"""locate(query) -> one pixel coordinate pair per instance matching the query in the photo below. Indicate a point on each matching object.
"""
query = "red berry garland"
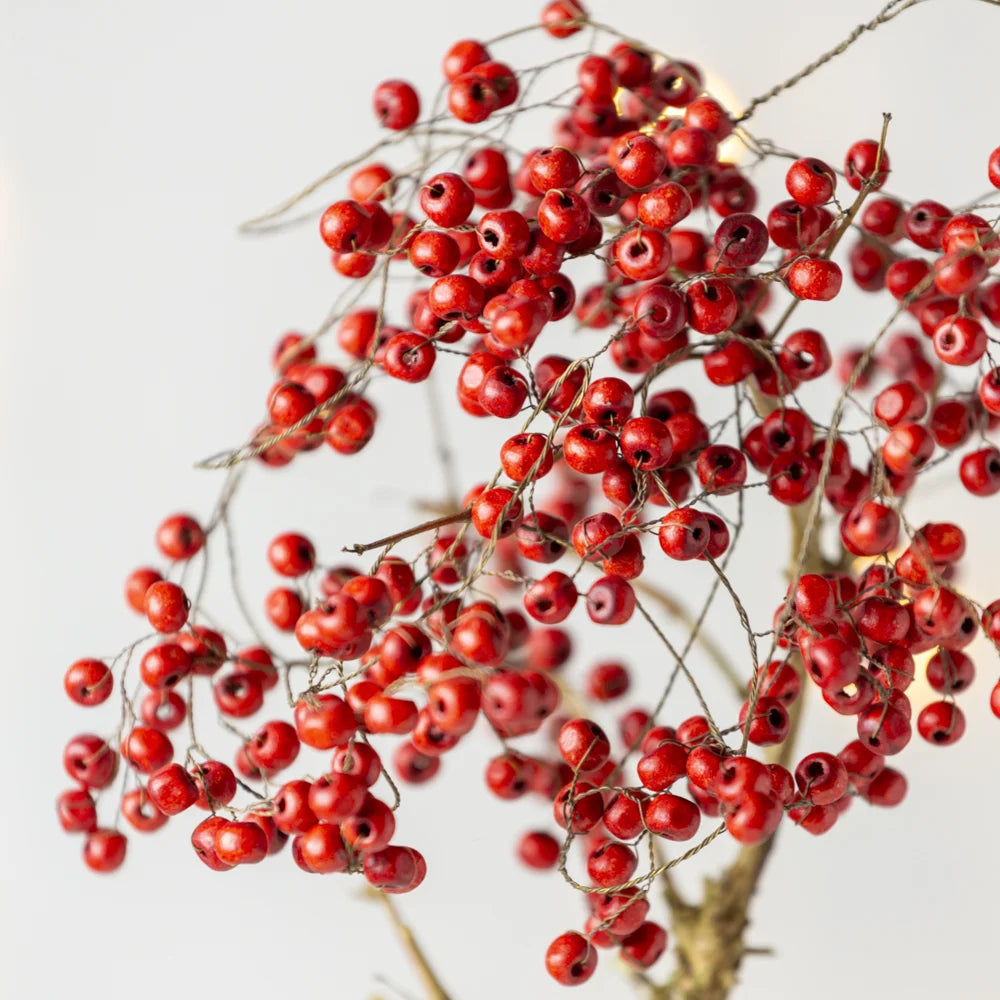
(585, 230)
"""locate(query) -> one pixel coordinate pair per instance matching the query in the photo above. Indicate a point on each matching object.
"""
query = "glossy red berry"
(180, 537)
(274, 746)
(335, 797)
(203, 842)
(136, 585)
(607, 681)
(583, 744)
(216, 784)
(396, 104)
(104, 850)
(941, 722)
(712, 306)
(960, 341)
(141, 812)
(589, 448)
(637, 159)
(793, 226)
(662, 766)
(570, 959)
(821, 778)
(611, 864)
(871, 528)
(371, 828)
(147, 749)
(240, 843)
(538, 850)
(76, 811)
(610, 601)
(447, 200)
(980, 472)
(172, 790)
(88, 682)
(865, 163)
(672, 817)
(810, 182)
(239, 695)
(166, 606)
(291, 555)
(89, 760)
(883, 729)
(642, 254)
(496, 512)
(394, 869)
(345, 227)
(741, 240)
(814, 278)
(463, 56)
(684, 533)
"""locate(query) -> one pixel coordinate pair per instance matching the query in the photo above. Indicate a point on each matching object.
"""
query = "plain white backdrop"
(136, 329)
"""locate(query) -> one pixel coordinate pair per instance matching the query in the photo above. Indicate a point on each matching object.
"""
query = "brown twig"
(715, 653)
(891, 10)
(708, 936)
(435, 991)
(418, 529)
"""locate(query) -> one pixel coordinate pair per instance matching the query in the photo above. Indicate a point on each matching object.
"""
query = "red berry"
(172, 789)
(291, 555)
(371, 828)
(136, 585)
(583, 745)
(104, 850)
(76, 811)
(345, 227)
(88, 682)
(980, 472)
(216, 784)
(166, 606)
(861, 163)
(611, 864)
(538, 850)
(814, 278)
(712, 306)
(607, 681)
(888, 788)
(147, 749)
(810, 182)
(203, 842)
(570, 958)
(89, 760)
(180, 537)
(672, 817)
(141, 812)
(240, 843)
(396, 104)
(941, 722)
(821, 778)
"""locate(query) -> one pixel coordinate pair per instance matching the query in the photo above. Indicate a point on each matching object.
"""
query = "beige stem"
(435, 991)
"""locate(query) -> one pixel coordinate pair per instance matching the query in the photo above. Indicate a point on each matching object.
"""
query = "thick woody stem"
(708, 936)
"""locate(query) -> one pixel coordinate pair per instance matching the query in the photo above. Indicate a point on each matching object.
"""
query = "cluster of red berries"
(405, 651)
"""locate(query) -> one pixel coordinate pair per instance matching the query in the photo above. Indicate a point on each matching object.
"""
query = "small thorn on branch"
(419, 529)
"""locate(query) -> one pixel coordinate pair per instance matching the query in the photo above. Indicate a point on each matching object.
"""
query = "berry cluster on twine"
(420, 647)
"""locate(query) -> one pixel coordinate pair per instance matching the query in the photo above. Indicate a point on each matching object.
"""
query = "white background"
(136, 328)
